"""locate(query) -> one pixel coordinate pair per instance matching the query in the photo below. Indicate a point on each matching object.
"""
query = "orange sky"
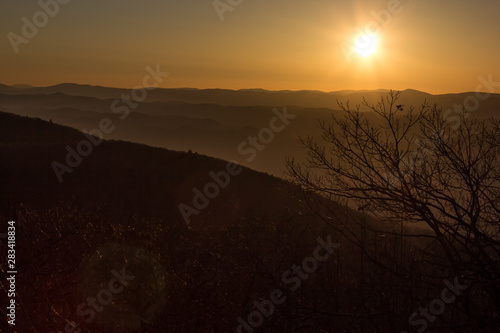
(437, 47)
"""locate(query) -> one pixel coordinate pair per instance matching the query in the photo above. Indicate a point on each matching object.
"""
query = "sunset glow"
(274, 45)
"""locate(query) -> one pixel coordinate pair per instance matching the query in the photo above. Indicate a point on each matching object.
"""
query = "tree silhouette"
(412, 167)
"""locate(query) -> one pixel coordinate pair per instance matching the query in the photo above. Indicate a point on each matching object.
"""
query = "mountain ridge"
(225, 97)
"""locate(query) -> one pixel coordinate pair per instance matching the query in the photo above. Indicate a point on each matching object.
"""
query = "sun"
(366, 45)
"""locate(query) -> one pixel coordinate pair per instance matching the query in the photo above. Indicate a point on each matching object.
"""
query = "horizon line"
(29, 86)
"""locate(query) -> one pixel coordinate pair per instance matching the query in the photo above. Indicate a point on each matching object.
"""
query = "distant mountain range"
(243, 97)
(211, 121)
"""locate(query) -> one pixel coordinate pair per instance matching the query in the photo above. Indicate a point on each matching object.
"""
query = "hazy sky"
(436, 46)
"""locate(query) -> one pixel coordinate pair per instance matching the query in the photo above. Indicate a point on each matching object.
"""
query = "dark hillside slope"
(117, 213)
(121, 178)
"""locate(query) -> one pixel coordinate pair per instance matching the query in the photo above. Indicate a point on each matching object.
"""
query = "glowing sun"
(366, 45)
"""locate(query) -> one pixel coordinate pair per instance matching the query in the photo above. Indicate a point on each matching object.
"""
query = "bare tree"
(415, 167)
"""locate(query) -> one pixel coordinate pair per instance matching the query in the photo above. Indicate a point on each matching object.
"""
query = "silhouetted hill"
(158, 178)
(118, 211)
(6, 88)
